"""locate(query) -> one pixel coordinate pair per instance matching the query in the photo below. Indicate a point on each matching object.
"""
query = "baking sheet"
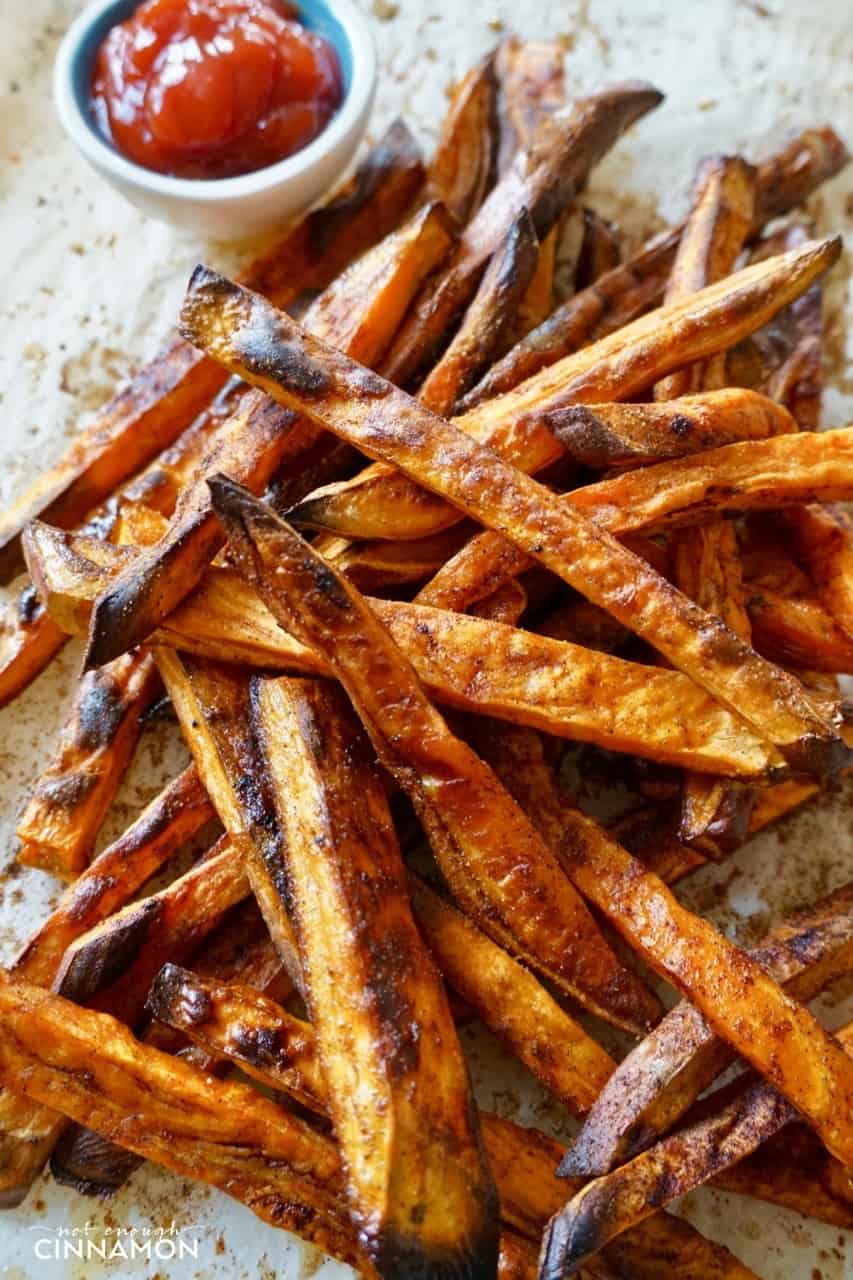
(87, 287)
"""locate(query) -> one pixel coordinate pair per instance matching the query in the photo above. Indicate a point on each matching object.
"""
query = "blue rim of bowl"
(337, 20)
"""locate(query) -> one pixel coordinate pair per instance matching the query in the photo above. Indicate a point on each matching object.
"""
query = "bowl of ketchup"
(226, 117)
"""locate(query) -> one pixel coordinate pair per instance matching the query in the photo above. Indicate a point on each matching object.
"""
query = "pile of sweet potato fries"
(445, 483)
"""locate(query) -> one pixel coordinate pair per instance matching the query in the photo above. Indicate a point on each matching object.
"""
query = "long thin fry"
(466, 662)
(739, 1000)
(359, 312)
(397, 1084)
(784, 180)
(681, 1057)
(612, 1204)
(57, 830)
(607, 435)
(495, 863)
(462, 169)
(542, 180)
(751, 475)
(796, 1171)
(163, 398)
(300, 372)
(381, 503)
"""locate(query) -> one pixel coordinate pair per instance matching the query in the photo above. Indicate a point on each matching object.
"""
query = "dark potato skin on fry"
(273, 352)
(496, 864)
(398, 1086)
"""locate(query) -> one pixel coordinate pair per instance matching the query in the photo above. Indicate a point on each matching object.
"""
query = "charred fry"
(681, 1057)
(57, 830)
(466, 662)
(397, 1085)
(457, 797)
(543, 182)
(612, 435)
(384, 422)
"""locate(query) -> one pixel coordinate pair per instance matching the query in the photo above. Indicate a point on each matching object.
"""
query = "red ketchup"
(213, 88)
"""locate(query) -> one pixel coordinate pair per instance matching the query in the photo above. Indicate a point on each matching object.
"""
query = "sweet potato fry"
(794, 1170)
(212, 703)
(531, 88)
(463, 167)
(302, 373)
(145, 416)
(362, 308)
(523, 1160)
(318, 248)
(105, 886)
(359, 312)
(29, 638)
(63, 816)
(377, 503)
(740, 1001)
(615, 435)
(721, 215)
(609, 1205)
(600, 251)
(157, 1105)
(240, 949)
(485, 325)
(233, 1020)
(112, 966)
(511, 1002)
(543, 181)
(495, 863)
(823, 543)
(379, 565)
(797, 630)
(567, 690)
(654, 1086)
(783, 181)
(397, 1085)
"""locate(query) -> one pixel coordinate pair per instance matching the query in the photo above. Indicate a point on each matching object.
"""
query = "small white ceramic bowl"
(226, 208)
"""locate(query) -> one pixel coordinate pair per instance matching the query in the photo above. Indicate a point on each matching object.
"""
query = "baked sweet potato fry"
(64, 814)
(542, 180)
(378, 503)
(609, 1205)
(212, 704)
(29, 640)
(783, 181)
(495, 863)
(487, 321)
(739, 1000)
(239, 950)
(665, 1074)
(600, 251)
(396, 1082)
(511, 1002)
(162, 399)
(720, 218)
(796, 629)
(158, 1106)
(794, 1170)
(105, 886)
(567, 690)
(302, 373)
(523, 1160)
(379, 565)
(462, 170)
(359, 312)
(618, 435)
(823, 542)
(112, 966)
(506, 605)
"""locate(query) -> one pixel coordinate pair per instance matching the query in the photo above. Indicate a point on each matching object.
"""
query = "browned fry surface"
(462, 170)
(396, 1080)
(243, 330)
(466, 662)
(493, 859)
(57, 830)
(681, 1057)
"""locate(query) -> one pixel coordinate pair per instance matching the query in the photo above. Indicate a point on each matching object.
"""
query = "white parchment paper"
(87, 288)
